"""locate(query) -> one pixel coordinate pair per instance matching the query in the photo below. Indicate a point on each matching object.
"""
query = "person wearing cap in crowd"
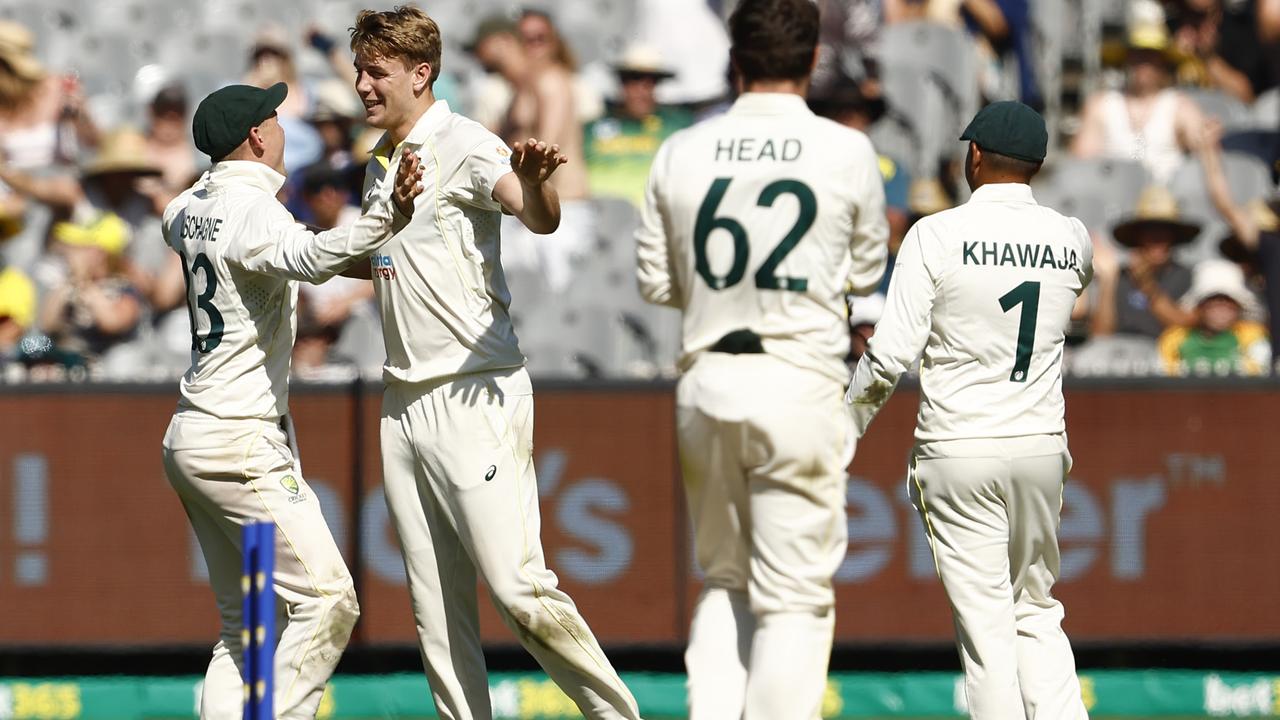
(1222, 340)
(1140, 298)
(986, 290)
(1255, 229)
(229, 452)
(620, 146)
(1148, 120)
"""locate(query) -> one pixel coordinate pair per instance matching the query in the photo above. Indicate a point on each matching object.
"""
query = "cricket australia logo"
(290, 483)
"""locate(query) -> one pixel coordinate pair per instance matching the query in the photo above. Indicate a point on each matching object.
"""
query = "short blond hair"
(405, 33)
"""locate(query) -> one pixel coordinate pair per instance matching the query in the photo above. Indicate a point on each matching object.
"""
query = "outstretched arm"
(525, 192)
(290, 249)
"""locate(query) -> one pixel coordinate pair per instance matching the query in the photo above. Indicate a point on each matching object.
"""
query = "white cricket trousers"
(457, 462)
(764, 448)
(991, 508)
(232, 472)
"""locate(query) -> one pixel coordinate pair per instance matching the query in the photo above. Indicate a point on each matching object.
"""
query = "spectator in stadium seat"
(1139, 299)
(1148, 121)
(118, 182)
(168, 139)
(42, 117)
(539, 66)
(620, 146)
(1222, 46)
(1220, 340)
(17, 310)
(43, 126)
(97, 308)
(1255, 229)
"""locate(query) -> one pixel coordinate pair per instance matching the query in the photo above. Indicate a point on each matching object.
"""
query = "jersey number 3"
(766, 276)
(1028, 296)
(203, 301)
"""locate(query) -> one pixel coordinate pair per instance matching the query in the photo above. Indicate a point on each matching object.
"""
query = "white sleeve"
(1086, 253)
(900, 335)
(282, 246)
(869, 245)
(483, 166)
(653, 255)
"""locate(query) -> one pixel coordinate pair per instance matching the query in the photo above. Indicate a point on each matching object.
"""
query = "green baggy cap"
(1009, 128)
(224, 118)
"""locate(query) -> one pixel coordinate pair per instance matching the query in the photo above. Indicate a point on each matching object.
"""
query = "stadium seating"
(1248, 178)
(1098, 191)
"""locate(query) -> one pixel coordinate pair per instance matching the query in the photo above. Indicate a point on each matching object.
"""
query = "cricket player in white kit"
(986, 291)
(226, 451)
(457, 416)
(756, 225)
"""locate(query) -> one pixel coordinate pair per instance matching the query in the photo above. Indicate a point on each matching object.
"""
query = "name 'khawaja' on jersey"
(986, 290)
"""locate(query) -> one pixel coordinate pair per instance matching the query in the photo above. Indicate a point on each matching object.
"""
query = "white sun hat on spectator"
(642, 60)
(1212, 278)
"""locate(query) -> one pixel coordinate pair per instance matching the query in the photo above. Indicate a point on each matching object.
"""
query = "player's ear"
(256, 143)
(421, 77)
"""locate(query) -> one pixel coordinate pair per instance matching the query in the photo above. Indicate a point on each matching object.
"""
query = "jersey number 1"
(1028, 296)
(766, 276)
(204, 301)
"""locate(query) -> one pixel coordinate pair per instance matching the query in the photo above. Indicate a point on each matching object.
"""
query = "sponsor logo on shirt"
(383, 267)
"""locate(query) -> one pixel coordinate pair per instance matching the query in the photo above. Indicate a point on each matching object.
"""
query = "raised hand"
(534, 161)
(408, 182)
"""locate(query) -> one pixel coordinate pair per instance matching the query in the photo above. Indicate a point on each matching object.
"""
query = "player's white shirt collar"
(769, 104)
(422, 129)
(246, 172)
(1003, 192)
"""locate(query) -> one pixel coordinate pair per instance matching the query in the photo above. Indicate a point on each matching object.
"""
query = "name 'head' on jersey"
(762, 218)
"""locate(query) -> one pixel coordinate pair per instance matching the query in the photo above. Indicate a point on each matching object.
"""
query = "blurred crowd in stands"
(1165, 122)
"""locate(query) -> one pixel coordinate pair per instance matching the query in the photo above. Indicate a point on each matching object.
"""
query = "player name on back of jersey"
(758, 150)
(1031, 255)
(196, 227)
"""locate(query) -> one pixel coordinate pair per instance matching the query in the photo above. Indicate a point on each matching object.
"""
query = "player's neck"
(792, 87)
(402, 130)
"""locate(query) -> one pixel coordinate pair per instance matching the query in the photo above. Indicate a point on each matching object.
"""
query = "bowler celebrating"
(986, 290)
(227, 451)
(755, 225)
(457, 416)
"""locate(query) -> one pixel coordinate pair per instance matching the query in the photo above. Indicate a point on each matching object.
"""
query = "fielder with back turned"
(755, 225)
(986, 291)
(227, 451)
